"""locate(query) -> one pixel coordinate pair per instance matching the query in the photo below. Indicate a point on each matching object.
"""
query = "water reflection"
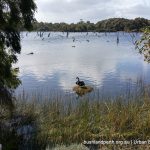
(55, 63)
(19, 128)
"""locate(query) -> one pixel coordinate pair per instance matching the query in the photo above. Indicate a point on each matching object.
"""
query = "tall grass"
(55, 122)
(105, 119)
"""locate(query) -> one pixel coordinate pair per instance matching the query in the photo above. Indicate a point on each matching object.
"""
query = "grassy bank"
(53, 123)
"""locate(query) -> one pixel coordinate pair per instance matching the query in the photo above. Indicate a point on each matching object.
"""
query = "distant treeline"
(108, 25)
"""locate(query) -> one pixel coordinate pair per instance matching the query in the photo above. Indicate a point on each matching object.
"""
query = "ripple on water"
(101, 64)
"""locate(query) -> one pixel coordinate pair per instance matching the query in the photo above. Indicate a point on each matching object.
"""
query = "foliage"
(112, 24)
(13, 15)
(144, 44)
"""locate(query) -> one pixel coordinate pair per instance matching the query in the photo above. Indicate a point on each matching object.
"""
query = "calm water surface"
(96, 58)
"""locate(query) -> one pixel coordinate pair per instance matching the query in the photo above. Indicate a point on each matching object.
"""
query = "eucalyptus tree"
(143, 45)
(14, 15)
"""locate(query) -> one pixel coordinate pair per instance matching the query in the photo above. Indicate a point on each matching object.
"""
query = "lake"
(96, 58)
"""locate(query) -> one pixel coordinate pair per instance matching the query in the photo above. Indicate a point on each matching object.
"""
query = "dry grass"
(82, 90)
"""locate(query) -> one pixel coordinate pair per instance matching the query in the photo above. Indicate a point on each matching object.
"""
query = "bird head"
(77, 78)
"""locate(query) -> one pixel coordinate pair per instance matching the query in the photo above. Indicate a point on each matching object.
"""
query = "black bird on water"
(80, 83)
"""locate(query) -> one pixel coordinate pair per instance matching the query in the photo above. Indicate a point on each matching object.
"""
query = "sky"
(71, 11)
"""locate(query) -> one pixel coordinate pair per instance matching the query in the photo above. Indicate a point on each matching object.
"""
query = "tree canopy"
(107, 25)
(14, 14)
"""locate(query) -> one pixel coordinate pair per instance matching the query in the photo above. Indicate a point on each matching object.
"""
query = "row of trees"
(110, 25)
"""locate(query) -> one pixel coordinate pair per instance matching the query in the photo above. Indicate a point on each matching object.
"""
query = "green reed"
(59, 122)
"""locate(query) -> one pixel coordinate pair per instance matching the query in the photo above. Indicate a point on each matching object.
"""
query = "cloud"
(93, 10)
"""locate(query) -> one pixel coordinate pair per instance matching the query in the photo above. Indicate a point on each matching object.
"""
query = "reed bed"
(55, 122)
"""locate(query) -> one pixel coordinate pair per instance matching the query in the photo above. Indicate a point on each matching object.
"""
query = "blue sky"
(93, 10)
